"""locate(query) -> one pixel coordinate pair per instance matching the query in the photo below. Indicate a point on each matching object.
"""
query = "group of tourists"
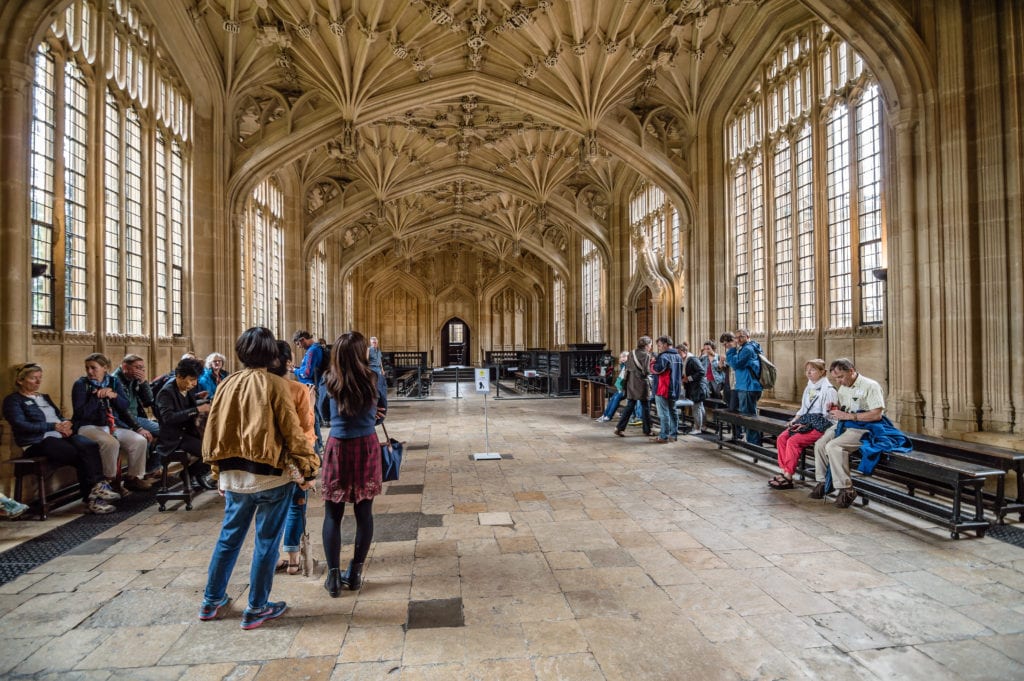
(834, 421)
(261, 439)
(253, 434)
(674, 377)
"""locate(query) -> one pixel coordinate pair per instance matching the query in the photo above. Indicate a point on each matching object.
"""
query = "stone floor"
(579, 555)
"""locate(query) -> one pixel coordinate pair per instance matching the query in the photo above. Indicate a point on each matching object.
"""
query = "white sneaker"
(103, 490)
(695, 432)
(9, 508)
(602, 419)
(100, 507)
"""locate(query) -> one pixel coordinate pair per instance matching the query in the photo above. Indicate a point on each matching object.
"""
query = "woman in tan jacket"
(252, 437)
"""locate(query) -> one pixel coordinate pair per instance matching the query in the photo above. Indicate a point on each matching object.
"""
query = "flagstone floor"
(579, 555)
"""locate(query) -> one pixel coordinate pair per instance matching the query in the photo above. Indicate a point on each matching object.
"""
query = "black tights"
(333, 513)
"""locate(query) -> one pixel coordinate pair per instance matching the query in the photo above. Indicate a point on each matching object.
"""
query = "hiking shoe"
(211, 611)
(103, 490)
(9, 508)
(271, 611)
(99, 507)
(818, 492)
(846, 497)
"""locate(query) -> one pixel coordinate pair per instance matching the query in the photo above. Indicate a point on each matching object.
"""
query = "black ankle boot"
(333, 583)
(353, 577)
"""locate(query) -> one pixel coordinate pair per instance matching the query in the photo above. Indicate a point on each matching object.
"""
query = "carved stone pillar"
(15, 278)
(906, 403)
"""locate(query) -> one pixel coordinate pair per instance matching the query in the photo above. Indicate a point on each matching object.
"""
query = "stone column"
(904, 361)
(15, 278)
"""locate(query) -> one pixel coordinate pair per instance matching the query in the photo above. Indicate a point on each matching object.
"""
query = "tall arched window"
(318, 292)
(814, 93)
(261, 253)
(654, 216)
(558, 311)
(142, 192)
(592, 289)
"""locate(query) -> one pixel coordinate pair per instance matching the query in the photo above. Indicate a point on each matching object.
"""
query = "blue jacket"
(346, 427)
(308, 371)
(207, 382)
(89, 410)
(882, 436)
(746, 366)
(28, 424)
(669, 367)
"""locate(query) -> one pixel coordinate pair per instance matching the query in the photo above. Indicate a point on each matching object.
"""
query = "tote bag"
(390, 456)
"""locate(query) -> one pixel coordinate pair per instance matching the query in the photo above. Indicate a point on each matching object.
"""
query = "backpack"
(768, 371)
(324, 366)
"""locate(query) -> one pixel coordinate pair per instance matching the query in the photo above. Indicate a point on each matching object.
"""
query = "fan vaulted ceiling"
(413, 124)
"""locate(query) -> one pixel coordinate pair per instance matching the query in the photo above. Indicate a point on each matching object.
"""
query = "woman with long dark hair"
(351, 466)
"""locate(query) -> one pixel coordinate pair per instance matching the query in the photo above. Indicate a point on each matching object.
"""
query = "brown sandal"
(293, 568)
(784, 484)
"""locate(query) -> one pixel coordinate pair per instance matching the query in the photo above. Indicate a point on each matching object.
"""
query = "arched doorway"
(644, 313)
(455, 342)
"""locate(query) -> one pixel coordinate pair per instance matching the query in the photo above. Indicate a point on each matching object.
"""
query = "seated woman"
(213, 374)
(98, 399)
(40, 430)
(807, 425)
(620, 390)
(177, 409)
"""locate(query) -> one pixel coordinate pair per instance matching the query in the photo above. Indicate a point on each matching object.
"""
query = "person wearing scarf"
(98, 401)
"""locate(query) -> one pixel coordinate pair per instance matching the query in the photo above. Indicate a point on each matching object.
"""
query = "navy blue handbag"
(390, 456)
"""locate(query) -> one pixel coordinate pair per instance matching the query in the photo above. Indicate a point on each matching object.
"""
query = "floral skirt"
(351, 470)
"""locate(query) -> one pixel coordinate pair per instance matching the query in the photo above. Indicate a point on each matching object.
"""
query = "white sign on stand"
(482, 382)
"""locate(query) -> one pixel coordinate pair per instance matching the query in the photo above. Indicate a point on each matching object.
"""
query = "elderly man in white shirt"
(860, 401)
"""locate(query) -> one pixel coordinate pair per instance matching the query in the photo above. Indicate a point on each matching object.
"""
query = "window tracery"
(770, 142)
(106, 59)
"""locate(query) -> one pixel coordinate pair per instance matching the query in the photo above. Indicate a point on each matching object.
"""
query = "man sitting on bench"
(860, 413)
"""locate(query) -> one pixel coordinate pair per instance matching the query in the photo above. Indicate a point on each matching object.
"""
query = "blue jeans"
(295, 523)
(747, 404)
(613, 404)
(269, 508)
(669, 418)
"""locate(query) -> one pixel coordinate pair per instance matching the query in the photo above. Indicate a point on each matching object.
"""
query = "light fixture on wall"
(880, 273)
(39, 269)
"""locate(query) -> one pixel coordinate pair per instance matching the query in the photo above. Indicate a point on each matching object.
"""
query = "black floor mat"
(1011, 534)
(60, 540)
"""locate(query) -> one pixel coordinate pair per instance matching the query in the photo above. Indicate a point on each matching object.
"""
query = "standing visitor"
(352, 465)
(252, 437)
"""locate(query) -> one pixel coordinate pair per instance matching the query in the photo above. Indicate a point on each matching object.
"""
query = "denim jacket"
(717, 373)
(28, 423)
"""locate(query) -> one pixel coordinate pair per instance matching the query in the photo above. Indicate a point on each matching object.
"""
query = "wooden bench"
(762, 424)
(935, 473)
(40, 468)
(1005, 460)
(914, 470)
(404, 381)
